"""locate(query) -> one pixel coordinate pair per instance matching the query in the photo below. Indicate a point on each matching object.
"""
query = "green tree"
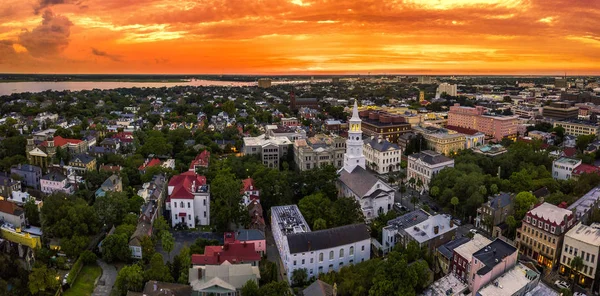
(299, 277)
(226, 200)
(320, 224)
(75, 245)
(229, 107)
(512, 225)
(157, 271)
(198, 246)
(130, 278)
(167, 242)
(434, 191)
(43, 280)
(185, 262)
(250, 288)
(493, 189)
(583, 141)
(112, 207)
(115, 247)
(275, 289)
(523, 202)
(32, 212)
(345, 211)
(576, 266)
(159, 225)
(454, 201)
(148, 249)
(314, 207)
(156, 145)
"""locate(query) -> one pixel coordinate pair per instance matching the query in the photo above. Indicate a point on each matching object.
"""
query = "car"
(64, 281)
(579, 294)
(473, 231)
(456, 221)
(399, 207)
(562, 284)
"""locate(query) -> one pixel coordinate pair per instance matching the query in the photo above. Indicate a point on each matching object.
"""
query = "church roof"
(360, 181)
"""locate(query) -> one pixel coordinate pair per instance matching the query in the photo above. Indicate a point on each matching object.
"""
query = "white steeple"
(354, 144)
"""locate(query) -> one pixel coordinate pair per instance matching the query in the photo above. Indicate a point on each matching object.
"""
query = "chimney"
(199, 273)
(436, 229)
(451, 223)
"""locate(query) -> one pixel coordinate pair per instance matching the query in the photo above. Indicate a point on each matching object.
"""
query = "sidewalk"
(107, 280)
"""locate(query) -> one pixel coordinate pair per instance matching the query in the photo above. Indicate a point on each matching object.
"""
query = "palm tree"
(419, 186)
(454, 201)
(412, 182)
(576, 265)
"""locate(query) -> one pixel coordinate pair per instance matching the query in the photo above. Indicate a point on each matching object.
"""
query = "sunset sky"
(300, 36)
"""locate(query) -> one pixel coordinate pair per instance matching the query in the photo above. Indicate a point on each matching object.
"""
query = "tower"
(354, 144)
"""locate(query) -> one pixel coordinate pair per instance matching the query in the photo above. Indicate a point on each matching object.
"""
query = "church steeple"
(354, 144)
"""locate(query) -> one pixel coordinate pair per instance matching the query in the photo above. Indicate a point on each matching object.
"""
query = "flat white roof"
(587, 234)
(446, 284)
(467, 249)
(424, 231)
(260, 140)
(510, 282)
(550, 212)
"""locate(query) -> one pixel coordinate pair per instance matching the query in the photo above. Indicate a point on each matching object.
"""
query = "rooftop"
(585, 234)
(492, 254)
(407, 220)
(468, 249)
(430, 157)
(448, 248)
(262, 140)
(289, 219)
(568, 161)
(448, 285)
(585, 203)
(550, 213)
(234, 252)
(380, 144)
(327, 238)
(510, 282)
(426, 230)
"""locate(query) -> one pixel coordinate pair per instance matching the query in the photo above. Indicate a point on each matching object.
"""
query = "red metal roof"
(585, 168)
(60, 142)
(182, 184)
(248, 185)
(462, 130)
(570, 152)
(201, 159)
(10, 208)
(236, 252)
(151, 163)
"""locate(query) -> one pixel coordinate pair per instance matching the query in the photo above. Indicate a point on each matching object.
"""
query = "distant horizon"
(316, 74)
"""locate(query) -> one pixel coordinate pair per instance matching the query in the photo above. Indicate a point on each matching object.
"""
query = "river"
(7, 88)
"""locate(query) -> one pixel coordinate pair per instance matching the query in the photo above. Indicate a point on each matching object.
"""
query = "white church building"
(374, 195)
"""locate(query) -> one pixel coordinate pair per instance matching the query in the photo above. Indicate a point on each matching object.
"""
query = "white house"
(562, 168)
(189, 200)
(374, 195)
(382, 156)
(424, 165)
(56, 182)
(582, 241)
(317, 251)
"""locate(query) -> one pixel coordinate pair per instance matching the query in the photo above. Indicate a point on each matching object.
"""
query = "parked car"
(64, 280)
(562, 284)
(579, 294)
(456, 221)
(473, 231)
(399, 207)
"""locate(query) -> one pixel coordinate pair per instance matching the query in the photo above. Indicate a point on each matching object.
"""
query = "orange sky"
(300, 36)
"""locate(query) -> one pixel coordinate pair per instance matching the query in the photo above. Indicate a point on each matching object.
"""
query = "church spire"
(355, 111)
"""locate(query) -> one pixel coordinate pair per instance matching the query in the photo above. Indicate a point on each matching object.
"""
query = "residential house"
(519, 280)
(8, 185)
(270, 149)
(541, 234)
(562, 168)
(492, 214)
(584, 168)
(249, 192)
(319, 288)
(393, 232)
(30, 175)
(221, 280)
(111, 143)
(232, 251)
(11, 213)
(83, 163)
(445, 253)
(251, 236)
(201, 161)
(114, 183)
(582, 241)
(154, 288)
(56, 182)
(582, 208)
(431, 233)
(257, 221)
(188, 200)
(489, 263)
(316, 251)
(426, 164)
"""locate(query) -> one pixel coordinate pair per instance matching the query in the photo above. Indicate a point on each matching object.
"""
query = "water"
(8, 88)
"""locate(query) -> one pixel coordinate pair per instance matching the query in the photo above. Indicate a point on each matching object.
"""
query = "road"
(186, 238)
(107, 280)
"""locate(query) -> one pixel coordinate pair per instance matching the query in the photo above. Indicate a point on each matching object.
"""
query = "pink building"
(495, 127)
(489, 263)
(249, 236)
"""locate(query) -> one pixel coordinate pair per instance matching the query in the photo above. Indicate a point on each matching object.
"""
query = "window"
(294, 262)
(591, 270)
(553, 229)
(175, 204)
(351, 251)
(302, 261)
(533, 222)
(311, 260)
(341, 253)
(189, 205)
(587, 257)
(181, 205)
(190, 217)
(593, 256)
(204, 214)
(320, 257)
(363, 249)
(204, 202)
(330, 255)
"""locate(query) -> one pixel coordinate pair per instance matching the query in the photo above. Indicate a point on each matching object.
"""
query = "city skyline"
(478, 37)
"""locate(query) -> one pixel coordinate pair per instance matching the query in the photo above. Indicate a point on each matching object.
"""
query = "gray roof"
(409, 219)
(84, 158)
(54, 176)
(360, 181)
(25, 168)
(430, 157)
(318, 288)
(447, 248)
(493, 254)
(249, 235)
(381, 145)
(327, 238)
(500, 201)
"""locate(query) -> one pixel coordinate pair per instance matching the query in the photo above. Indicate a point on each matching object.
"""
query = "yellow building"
(16, 236)
(421, 96)
(82, 163)
(442, 141)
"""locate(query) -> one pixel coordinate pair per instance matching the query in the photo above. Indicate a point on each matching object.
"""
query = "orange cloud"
(300, 36)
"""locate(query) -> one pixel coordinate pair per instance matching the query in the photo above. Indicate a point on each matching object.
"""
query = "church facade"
(374, 195)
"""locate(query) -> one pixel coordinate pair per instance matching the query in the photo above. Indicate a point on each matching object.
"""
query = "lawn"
(84, 284)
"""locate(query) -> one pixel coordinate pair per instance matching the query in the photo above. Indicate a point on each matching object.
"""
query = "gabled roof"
(248, 185)
(37, 152)
(569, 152)
(360, 181)
(201, 159)
(84, 158)
(54, 176)
(327, 238)
(60, 142)
(10, 208)
(235, 252)
(500, 201)
(430, 157)
(381, 145)
(151, 163)
(585, 168)
(318, 288)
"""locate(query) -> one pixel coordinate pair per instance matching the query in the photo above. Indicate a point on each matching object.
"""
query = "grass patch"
(84, 284)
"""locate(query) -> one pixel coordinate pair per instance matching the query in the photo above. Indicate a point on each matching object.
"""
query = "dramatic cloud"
(51, 37)
(101, 53)
(323, 36)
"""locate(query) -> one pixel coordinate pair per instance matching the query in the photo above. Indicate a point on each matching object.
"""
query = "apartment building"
(449, 89)
(541, 234)
(30, 175)
(424, 165)
(582, 241)
(382, 156)
(489, 263)
(319, 150)
(431, 233)
(188, 200)
(578, 127)
(494, 212)
(462, 256)
(393, 232)
(560, 111)
(384, 125)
